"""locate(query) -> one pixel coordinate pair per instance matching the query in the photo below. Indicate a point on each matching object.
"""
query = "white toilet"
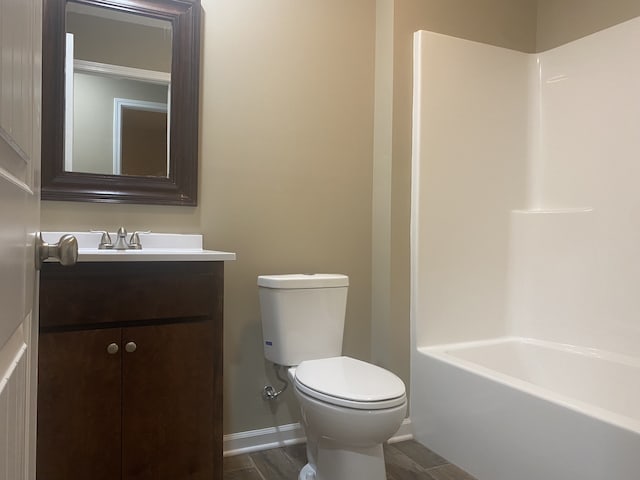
(349, 407)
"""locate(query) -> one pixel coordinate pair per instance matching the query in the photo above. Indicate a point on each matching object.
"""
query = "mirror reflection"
(118, 88)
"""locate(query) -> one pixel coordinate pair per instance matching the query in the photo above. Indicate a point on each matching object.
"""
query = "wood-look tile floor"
(406, 460)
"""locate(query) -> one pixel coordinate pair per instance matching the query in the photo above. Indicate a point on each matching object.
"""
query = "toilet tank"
(302, 316)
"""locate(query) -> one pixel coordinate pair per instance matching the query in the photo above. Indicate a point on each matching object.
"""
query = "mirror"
(117, 87)
(120, 101)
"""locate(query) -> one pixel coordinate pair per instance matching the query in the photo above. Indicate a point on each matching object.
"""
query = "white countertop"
(156, 247)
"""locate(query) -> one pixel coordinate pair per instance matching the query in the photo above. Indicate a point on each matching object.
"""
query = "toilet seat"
(351, 383)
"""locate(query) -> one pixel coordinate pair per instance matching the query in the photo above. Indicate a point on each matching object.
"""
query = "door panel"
(13, 402)
(79, 426)
(172, 365)
(20, 92)
(19, 156)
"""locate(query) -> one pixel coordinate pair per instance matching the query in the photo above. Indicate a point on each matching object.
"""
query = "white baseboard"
(291, 434)
(405, 432)
(262, 439)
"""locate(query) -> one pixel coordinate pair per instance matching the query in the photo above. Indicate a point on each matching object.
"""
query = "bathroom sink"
(156, 247)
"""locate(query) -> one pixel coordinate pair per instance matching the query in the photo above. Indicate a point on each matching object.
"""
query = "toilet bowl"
(349, 407)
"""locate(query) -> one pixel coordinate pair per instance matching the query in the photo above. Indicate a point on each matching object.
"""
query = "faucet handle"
(134, 242)
(105, 240)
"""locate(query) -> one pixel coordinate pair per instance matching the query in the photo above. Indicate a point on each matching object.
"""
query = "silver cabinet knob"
(130, 347)
(112, 348)
(65, 251)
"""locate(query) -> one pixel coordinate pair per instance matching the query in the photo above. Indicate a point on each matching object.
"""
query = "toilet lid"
(303, 280)
(349, 382)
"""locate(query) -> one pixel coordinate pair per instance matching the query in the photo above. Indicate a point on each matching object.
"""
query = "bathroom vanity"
(130, 366)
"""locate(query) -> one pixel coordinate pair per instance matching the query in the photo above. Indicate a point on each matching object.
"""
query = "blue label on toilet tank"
(269, 343)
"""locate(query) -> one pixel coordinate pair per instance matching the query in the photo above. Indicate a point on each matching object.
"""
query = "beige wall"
(289, 178)
(505, 23)
(286, 168)
(561, 21)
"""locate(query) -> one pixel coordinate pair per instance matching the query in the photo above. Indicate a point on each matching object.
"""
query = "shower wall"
(576, 253)
(470, 151)
(526, 201)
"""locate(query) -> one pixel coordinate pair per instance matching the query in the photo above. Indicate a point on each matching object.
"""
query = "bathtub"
(525, 409)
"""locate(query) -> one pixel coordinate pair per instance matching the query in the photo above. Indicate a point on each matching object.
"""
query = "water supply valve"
(269, 392)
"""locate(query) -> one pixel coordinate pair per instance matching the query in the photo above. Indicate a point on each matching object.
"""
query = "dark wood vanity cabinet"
(130, 371)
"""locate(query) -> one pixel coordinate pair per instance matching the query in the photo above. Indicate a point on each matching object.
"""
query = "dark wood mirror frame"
(180, 187)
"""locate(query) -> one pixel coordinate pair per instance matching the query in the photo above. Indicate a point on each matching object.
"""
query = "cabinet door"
(79, 395)
(168, 382)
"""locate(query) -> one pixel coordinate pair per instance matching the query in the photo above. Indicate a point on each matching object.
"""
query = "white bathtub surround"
(470, 149)
(516, 409)
(560, 281)
(526, 225)
(582, 379)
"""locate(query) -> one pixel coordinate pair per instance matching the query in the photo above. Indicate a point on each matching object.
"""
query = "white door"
(20, 88)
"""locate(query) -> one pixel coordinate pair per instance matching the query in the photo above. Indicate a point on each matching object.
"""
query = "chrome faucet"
(121, 240)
